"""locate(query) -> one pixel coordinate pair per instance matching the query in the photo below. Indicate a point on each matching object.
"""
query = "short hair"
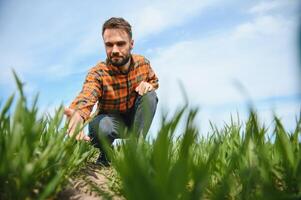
(117, 23)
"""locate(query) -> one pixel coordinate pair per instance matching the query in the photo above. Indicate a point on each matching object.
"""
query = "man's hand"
(75, 120)
(144, 87)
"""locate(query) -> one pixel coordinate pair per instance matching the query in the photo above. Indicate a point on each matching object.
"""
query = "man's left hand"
(144, 87)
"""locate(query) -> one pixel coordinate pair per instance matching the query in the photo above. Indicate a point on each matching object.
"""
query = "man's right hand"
(75, 120)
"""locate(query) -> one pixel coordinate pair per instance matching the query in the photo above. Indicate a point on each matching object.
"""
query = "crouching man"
(123, 87)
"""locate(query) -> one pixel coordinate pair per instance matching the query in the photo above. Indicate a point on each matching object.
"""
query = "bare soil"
(94, 182)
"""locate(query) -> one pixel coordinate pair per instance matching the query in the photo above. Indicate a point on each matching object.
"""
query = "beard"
(120, 61)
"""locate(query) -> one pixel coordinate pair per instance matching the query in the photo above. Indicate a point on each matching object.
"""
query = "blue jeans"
(111, 126)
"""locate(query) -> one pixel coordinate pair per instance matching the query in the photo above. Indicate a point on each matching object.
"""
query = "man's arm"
(80, 109)
(88, 96)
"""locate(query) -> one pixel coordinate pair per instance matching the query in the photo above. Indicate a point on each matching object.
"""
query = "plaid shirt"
(114, 90)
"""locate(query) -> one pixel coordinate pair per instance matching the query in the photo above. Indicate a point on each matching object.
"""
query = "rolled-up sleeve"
(89, 95)
(152, 78)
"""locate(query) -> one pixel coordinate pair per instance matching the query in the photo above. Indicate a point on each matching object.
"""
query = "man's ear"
(132, 44)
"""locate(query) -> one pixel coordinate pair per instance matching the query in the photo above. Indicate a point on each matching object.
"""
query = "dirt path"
(91, 184)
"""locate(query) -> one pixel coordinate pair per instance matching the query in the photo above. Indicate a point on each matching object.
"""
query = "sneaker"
(102, 160)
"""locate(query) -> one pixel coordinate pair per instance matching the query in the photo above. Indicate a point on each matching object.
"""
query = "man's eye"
(120, 44)
(109, 44)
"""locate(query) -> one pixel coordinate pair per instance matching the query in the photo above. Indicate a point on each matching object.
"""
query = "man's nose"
(115, 49)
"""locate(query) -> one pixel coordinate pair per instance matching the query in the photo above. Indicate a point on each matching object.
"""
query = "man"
(123, 87)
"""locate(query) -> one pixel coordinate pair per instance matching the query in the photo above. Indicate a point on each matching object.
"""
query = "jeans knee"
(101, 126)
(150, 97)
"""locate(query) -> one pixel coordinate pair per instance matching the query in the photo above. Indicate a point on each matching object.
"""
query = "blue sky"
(214, 48)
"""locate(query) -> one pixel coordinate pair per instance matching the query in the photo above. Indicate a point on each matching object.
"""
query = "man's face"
(118, 46)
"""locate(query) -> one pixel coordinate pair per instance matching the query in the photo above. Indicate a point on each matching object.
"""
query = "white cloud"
(156, 16)
(264, 7)
(261, 57)
(264, 26)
